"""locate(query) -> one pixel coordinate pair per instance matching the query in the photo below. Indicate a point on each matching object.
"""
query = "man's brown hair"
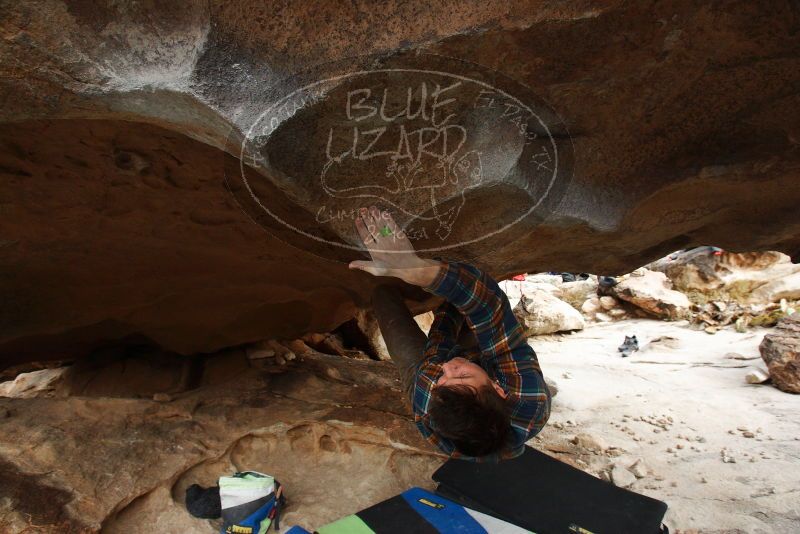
(477, 422)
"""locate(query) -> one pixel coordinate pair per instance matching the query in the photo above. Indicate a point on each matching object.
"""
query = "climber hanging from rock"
(474, 383)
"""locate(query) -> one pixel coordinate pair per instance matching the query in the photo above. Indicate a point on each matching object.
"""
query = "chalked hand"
(390, 249)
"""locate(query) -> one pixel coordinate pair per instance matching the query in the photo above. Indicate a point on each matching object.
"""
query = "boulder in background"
(542, 313)
(780, 350)
(711, 274)
(652, 292)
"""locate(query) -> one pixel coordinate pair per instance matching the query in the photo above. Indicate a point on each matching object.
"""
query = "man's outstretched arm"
(474, 293)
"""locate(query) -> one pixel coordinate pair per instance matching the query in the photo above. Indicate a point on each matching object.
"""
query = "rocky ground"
(720, 452)
(333, 430)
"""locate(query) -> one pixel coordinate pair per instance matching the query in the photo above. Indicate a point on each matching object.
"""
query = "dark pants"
(404, 339)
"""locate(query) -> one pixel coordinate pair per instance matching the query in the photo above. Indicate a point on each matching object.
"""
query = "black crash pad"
(542, 494)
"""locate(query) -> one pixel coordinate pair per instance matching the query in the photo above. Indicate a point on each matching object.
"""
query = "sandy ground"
(704, 405)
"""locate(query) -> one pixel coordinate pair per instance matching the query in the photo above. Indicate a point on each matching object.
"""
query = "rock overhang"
(683, 122)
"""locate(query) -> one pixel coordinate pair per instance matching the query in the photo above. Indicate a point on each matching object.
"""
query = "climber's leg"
(404, 339)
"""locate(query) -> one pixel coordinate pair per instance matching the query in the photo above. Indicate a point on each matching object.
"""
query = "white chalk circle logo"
(456, 152)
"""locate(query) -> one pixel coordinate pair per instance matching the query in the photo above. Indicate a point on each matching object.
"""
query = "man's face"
(460, 371)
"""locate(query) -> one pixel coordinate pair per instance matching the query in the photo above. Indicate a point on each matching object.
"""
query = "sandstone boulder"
(123, 121)
(514, 289)
(425, 321)
(652, 293)
(575, 293)
(603, 317)
(588, 442)
(781, 287)
(780, 350)
(638, 468)
(122, 464)
(603, 309)
(622, 477)
(756, 376)
(711, 274)
(33, 384)
(542, 313)
(608, 302)
(368, 325)
(591, 306)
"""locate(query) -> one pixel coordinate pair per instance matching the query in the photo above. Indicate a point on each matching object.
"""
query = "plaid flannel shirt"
(473, 296)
